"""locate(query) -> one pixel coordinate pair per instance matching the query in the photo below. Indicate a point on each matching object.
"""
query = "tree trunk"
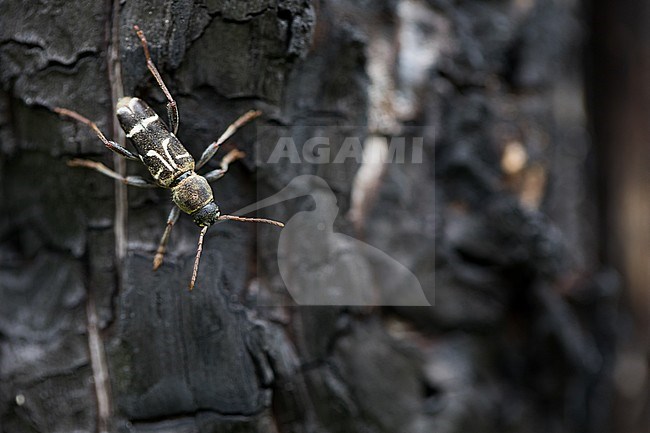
(496, 220)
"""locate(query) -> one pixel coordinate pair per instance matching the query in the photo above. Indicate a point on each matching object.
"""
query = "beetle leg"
(162, 247)
(98, 166)
(108, 143)
(232, 128)
(230, 157)
(172, 109)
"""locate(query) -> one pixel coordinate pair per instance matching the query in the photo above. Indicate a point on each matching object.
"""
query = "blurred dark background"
(527, 222)
(616, 71)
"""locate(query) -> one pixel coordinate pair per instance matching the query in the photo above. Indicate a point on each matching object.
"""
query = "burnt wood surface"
(520, 336)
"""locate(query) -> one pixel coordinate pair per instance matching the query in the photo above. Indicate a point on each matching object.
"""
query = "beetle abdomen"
(159, 149)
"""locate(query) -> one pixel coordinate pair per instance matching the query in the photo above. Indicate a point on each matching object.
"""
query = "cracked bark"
(501, 349)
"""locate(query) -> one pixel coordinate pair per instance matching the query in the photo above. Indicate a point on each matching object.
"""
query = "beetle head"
(207, 215)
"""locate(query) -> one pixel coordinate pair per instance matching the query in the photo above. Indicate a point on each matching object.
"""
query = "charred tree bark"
(497, 222)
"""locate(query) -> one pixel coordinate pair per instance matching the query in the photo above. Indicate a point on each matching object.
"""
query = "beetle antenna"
(199, 249)
(251, 220)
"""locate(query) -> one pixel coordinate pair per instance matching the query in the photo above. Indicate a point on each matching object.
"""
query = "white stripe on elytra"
(165, 163)
(139, 127)
(169, 163)
(165, 145)
(135, 130)
(149, 120)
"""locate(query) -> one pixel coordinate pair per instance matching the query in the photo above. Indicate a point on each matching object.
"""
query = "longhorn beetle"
(169, 163)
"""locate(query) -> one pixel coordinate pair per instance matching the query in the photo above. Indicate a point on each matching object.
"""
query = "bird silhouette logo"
(322, 267)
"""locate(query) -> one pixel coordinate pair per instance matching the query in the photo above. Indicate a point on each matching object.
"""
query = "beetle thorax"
(192, 192)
